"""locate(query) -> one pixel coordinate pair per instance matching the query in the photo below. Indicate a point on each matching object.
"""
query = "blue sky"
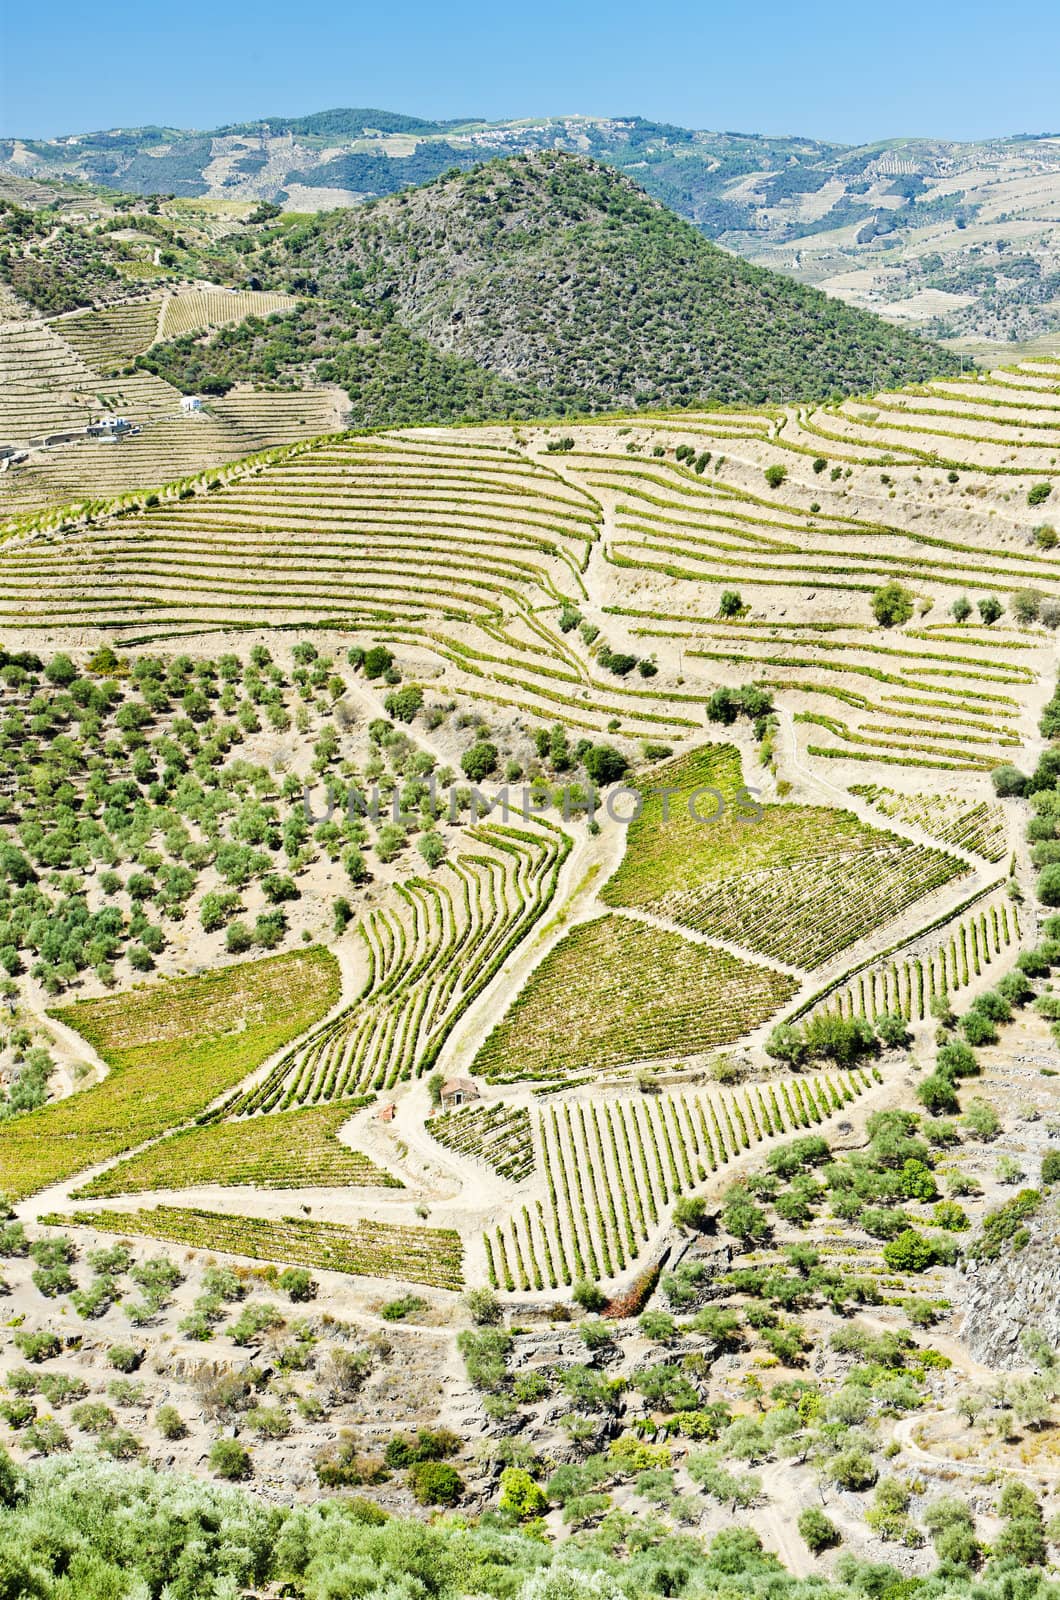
(847, 71)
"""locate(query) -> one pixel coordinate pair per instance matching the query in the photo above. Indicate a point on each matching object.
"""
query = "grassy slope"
(172, 1049)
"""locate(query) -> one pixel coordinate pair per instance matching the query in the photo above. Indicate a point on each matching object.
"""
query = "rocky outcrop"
(1019, 1290)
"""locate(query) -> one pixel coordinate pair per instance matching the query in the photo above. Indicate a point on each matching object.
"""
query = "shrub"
(1009, 782)
(1038, 493)
(937, 1095)
(170, 1423)
(431, 847)
(479, 761)
(742, 1218)
(1025, 604)
(853, 1469)
(125, 1357)
(297, 1283)
(989, 609)
(484, 1307)
(908, 1252)
(992, 1005)
(230, 1459)
(376, 661)
(435, 1483)
(981, 1120)
(657, 1326)
(37, 1346)
(730, 604)
(605, 765)
(520, 1496)
(843, 1040)
(530, 1387)
(786, 1043)
(978, 1029)
(775, 475)
(948, 1214)
(892, 605)
(961, 609)
(892, 1030)
(403, 704)
(690, 1211)
(120, 1444)
(956, 1060)
(723, 707)
(588, 1295)
(817, 1530)
(239, 938)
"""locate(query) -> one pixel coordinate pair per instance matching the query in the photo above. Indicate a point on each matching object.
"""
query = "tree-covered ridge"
(393, 377)
(563, 279)
(99, 1531)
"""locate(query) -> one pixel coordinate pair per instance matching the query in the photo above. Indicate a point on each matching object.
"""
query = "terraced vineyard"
(46, 387)
(912, 701)
(171, 447)
(372, 1249)
(612, 1168)
(799, 885)
(615, 991)
(1012, 412)
(908, 984)
(429, 956)
(969, 824)
(108, 339)
(293, 1150)
(194, 310)
(498, 1134)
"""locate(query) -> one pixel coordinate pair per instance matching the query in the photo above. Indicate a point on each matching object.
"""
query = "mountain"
(561, 276)
(959, 239)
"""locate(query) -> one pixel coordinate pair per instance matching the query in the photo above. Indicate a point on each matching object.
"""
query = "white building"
(190, 403)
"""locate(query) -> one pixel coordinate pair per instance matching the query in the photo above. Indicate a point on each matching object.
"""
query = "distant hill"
(961, 240)
(564, 278)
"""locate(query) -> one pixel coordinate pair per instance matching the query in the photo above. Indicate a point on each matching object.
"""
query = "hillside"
(633, 1168)
(558, 275)
(711, 1079)
(958, 239)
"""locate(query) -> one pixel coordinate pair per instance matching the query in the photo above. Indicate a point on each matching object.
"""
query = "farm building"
(458, 1092)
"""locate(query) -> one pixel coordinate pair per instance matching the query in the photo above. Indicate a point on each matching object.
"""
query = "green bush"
(125, 1357)
(230, 1459)
(1008, 781)
(376, 661)
(909, 1252)
(479, 761)
(588, 1295)
(978, 1029)
(937, 1095)
(170, 1423)
(520, 1496)
(892, 605)
(818, 1531)
(435, 1483)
